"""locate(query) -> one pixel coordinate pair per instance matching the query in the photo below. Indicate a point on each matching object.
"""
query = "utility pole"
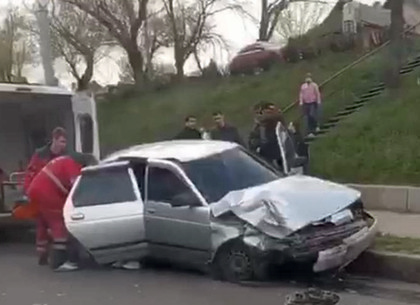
(45, 42)
(397, 44)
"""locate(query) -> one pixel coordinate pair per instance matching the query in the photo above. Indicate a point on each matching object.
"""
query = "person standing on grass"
(224, 131)
(310, 101)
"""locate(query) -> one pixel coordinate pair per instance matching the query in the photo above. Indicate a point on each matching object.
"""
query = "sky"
(237, 32)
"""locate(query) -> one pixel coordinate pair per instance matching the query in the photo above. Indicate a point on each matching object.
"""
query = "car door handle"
(78, 216)
(151, 211)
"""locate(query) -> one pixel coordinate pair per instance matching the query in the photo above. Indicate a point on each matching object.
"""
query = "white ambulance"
(28, 114)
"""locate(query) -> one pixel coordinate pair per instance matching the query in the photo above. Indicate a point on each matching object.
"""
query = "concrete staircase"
(359, 102)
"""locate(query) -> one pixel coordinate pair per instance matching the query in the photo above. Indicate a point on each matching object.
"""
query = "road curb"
(396, 266)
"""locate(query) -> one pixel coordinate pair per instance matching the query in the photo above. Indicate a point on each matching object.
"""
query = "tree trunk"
(264, 21)
(179, 62)
(83, 82)
(179, 65)
(135, 58)
(197, 60)
(396, 50)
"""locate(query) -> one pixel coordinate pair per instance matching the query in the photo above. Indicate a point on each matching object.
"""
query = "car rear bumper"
(348, 251)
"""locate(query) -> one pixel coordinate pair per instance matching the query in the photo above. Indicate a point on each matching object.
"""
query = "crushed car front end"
(326, 225)
(326, 245)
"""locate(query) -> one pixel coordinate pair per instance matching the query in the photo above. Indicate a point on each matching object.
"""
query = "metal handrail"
(355, 63)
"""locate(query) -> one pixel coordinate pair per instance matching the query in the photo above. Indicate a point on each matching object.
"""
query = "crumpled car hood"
(286, 205)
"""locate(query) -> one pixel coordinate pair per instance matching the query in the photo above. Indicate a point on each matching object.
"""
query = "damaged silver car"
(214, 206)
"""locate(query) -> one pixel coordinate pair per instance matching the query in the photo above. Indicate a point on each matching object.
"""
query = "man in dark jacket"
(42, 156)
(190, 131)
(224, 131)
(256, 135)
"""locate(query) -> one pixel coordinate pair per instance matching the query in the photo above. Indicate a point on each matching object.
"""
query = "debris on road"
(312, 296)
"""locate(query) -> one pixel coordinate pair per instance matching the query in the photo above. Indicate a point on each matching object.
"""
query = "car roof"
(40, 89)
(181, 150)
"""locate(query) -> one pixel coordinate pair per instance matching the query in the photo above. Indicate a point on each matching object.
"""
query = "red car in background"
(259, 56)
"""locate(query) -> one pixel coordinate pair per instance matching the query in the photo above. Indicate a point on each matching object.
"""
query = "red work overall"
(49, 190)
(38, 160)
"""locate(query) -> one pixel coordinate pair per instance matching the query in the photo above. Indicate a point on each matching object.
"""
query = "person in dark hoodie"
(224, 131)
(190, 131)
(269, 147)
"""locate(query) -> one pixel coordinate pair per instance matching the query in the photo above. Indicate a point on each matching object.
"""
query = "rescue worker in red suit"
(40, 158)
(49, 189)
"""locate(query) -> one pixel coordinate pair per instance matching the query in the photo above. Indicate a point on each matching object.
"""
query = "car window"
(231, 170)
(164, 185)
(105, 186)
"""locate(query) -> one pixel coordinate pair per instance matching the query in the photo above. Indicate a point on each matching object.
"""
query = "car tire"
(235, 263)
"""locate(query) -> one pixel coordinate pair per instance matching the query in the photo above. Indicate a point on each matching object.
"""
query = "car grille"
(317, 238)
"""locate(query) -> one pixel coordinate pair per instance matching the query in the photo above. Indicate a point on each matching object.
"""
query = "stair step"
(371, 94)
(323, 131)
(406, 69)
(412, 65)
(333, 120)
(406, 72)
(329, 125)
(354, 107)
(359, 102)
(378, 88)
(344, 113)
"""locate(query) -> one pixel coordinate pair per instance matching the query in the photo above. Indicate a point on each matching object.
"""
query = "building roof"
(182, 150)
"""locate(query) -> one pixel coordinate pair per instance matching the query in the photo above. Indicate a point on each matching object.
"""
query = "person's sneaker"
(67, 266)
(318, 129)
(131, 265)
(311, 135)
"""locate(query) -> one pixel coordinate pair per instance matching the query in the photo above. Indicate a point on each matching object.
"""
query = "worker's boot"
(58, 258)
(43, 259)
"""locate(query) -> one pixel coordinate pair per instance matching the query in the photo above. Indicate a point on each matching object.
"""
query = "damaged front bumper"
(341, 255)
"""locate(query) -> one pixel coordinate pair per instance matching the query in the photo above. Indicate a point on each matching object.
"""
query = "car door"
(104, 211)
(177, 233)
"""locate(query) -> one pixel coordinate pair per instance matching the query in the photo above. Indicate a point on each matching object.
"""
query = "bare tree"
(124, 20)
(271, 13)
(190, 27)
(154, 35)
(77, 38)
(300, 17)
(15, 47)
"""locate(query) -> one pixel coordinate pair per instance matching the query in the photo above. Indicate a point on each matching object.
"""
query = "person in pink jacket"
(310, 101)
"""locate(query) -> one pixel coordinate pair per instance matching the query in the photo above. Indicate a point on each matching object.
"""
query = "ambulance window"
(106, 186)
(86, 133)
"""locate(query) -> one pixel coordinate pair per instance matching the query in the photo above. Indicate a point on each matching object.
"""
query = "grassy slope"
(380, 144)
(159, 115)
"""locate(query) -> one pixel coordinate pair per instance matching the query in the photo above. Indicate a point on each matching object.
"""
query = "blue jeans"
(310, 111)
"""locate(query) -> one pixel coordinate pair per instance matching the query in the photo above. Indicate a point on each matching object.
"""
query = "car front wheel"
(236, 264)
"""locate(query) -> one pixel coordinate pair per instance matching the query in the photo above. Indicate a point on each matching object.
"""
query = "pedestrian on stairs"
(310, 101)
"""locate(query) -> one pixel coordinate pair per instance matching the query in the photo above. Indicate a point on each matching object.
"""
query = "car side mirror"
(185, 199)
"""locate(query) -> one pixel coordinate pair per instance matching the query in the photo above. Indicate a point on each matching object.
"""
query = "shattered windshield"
(231, 170)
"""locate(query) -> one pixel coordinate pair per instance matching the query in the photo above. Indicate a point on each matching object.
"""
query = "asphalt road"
(22, 282)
